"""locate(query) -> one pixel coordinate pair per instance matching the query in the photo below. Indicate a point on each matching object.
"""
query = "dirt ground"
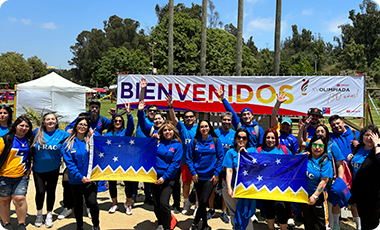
(143, 216)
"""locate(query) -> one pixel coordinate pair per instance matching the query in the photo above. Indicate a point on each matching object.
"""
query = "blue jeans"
(13, 186)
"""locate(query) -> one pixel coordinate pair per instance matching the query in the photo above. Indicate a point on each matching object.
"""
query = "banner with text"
(342, 95)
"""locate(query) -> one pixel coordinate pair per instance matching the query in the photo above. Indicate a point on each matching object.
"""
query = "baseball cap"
(315, 111)
(246, 109)
(94, 102)
(286, 120)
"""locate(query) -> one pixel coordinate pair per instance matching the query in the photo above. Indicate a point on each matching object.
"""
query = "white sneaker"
(65, 213)
(195, 211)
(128, 209)
(254, 218)
(113, 209)
(186, 208)
(39, 221)
(88, 213)
(160, 227)
(49, 221)
(291, 223)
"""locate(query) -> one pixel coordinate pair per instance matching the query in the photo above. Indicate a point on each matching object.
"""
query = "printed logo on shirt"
(171, 149)
(100, 124)
(187, 141)
(212, 146)
(253, 132)
(47, 147)
(310, 175)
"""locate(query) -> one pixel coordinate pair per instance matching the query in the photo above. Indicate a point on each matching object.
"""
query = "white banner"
(341, 95)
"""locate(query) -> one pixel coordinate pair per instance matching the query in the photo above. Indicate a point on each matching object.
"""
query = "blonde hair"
(170, 125)
(41, 131)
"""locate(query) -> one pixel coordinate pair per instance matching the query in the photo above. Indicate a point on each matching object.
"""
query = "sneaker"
(194, 227)
(148, 200)
(186, 208)
(96, 228)
(254, 219)
(113, 208)
(49, 221)
(128, 209)
(210, 213)
(39, 221)
(336, 227)
(133, 200)
(224, 217)
(88, 213)
(195, 211)
(291, 223)
(8, 226)
(160, 227)
(176, 210)
(21, 227)
(65, 213)
(205, 227)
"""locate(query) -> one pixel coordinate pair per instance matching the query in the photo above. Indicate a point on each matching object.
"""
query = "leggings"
(68, 199)
(204, 189)
(89, 191)
(177, 189)
(277, 208)
(161, 197)
(128, 189)
(45, 183)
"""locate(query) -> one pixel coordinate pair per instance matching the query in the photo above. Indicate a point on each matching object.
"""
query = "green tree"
(118, 60)
(353, 56)
(14, 68)
(194, 12)
(213, 16)
(38, 67)
(303, 67)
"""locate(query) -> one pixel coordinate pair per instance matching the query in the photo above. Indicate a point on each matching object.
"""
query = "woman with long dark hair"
(75, 152)
(5, 119)
(117, 128)
(230, 162)
(204, 158)
(47, 160)
(365, 191)
(169, 154)
(319, 172)
(15, 167)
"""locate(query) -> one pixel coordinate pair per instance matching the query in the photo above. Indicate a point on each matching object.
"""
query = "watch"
(378, 145)
(315, 197)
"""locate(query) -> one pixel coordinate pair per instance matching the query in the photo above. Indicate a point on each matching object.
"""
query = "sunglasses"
(188, 117)
(226, 119)
(315, 145)
(240, 137)
(152, 111)
(118, 121)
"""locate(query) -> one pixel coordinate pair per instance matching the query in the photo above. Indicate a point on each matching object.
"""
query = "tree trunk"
(277, 39)
(239, 43)
(170, 50)
(203, 37)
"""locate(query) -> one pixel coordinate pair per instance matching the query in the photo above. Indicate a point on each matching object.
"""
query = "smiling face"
(158, 120)
(241, 140)
(204, 128)
(317, 148)
(168, 133)
(337, 126)
(117, 123)
(315, 119)
(285, 128)
(4, 115)
(247, 117)
(320, 131)
(270, 140)
(50, 122)
(22, 129)
(226, 123)
(152, 111)
(189, 119)
(82, 127)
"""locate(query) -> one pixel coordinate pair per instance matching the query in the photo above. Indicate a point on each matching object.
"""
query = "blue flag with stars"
(123, 159)
(272, 177)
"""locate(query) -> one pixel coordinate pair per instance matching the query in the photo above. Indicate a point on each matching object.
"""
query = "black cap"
(94, 102)
(315, 111)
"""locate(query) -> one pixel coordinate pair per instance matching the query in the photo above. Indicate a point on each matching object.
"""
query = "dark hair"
(70, 140)
(112, 126)
(326, 131)
(198, 134)
(10, 114)
(324, 140)
(94, 102)
(151, 106)
(264, 145)
(244, 131)
(371, 127)
(333, 118)
(20, 119)
(187, 111)
(86, 115)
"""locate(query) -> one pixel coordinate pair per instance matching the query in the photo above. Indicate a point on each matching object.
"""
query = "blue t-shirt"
(169, 154)
(231, 160)
(358, 159)
(3, 130)
(290, 141)
(344, 141)
(227, 138)
(187, 134)
(315, 172)
(310, 133)
(124, 132)
(48, 157)
(275, 151)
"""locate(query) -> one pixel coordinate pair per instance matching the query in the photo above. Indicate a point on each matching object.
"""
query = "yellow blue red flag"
(123, 159)
(272, 177)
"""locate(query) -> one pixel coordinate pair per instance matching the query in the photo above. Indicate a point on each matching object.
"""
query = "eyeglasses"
(240, 137)
(118, 121)
(152, 111)
(315, 145)
(188, 117)
(82, 125)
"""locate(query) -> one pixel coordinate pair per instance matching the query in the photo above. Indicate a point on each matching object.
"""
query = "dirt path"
(143, 216)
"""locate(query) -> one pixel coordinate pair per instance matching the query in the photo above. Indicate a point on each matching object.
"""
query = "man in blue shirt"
(98, 123)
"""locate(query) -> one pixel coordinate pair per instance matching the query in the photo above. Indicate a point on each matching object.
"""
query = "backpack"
(283, 147)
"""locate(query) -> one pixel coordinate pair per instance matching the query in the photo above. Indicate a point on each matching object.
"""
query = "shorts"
(13, 186)
(186, 175)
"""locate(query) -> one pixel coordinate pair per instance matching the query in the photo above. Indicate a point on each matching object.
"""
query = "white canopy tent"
(51, 93)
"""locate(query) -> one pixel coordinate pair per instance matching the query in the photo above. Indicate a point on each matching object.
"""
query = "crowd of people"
(196, 153)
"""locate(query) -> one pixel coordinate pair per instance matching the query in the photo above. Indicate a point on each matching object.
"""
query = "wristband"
(315, 197)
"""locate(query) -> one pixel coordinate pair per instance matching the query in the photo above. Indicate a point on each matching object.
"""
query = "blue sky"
(47, 28)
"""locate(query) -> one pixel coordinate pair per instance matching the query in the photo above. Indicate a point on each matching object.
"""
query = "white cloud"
(1, 2)
(11, 19)
(26, 21)
(332, 25)
(265, 24)
(307, 12)
(49, 25)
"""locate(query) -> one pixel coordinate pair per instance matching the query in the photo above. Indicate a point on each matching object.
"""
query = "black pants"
(161, 197)
(177, 189)
(369, 217)
(277, 208)
(204, 189)
(315, 215)
(68, 199)
(128, 188)
(90, 192)
(45, 183)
